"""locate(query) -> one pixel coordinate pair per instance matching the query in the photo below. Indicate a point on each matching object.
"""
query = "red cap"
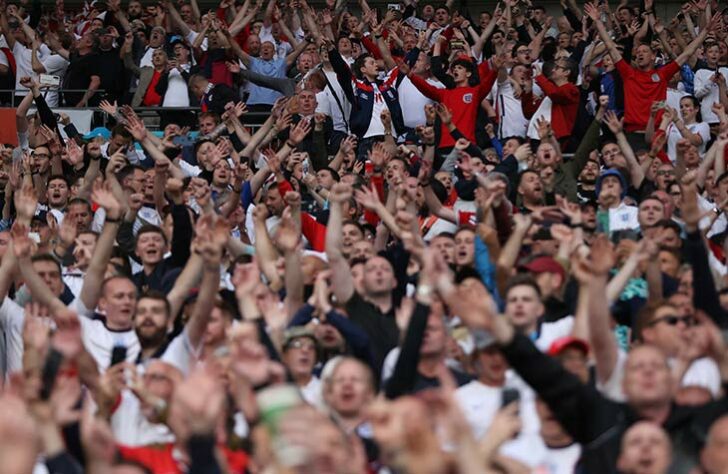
(558, 346)
(544, 264)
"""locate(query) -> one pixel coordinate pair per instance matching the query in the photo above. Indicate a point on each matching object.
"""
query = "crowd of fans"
(423, 239)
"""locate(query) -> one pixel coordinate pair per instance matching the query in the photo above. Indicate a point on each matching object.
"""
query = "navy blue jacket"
(361, 96)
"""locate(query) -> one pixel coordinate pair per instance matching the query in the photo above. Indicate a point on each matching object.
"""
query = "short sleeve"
(669, 70)
(624, 69)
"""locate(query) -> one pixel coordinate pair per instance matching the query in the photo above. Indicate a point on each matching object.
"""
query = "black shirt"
(78, 77)
(112, 73)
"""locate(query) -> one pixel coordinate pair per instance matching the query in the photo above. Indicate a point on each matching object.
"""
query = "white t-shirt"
(177, 95)
(511, 121)
(413, 101)
(131, 428)
(12, 318)
(327, 103)
(99, 341)
(24, 63)
(623, 217)
(55, 65)
(674, 135)
(707, 92)
(376, 128)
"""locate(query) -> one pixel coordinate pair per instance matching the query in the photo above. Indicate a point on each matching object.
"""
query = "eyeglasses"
(665, 173)
(523, 51)
(673, 320)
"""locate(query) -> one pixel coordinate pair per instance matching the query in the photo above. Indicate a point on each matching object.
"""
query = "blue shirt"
(270, 68)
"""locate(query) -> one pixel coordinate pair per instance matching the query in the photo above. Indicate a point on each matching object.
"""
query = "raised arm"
(691, 48)
(91, 290)
(342, 283)
(211, 248)
(593, 12)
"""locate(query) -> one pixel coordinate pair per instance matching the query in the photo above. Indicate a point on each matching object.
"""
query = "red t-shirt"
(159, 459)
(565, 105)
(463, 102)
(151, 98)
(641, 89)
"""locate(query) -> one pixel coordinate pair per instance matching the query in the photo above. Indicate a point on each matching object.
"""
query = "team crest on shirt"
(468, 98)
(655, 77)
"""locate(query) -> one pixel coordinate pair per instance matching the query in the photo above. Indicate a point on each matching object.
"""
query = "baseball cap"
(98, 132)
(562, 343)
(544, 264)
(611, 172)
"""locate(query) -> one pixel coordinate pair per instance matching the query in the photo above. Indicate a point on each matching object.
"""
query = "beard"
(150, 337)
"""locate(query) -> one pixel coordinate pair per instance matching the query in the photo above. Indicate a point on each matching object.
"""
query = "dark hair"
(46, 257)
(517, 138)
(696, 105)
(121, 131)
(568, 64)
(354, 223)
(55, 177)
(521, 280)
(523, 173)
(334, 173)
(150, 228)
(359, 63)
(158, 296)
(80, 200)
(126, 171)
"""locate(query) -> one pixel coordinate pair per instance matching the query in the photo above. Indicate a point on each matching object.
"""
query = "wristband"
(288, 142)
(112, 220)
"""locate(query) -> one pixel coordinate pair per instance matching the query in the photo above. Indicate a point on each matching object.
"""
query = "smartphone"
(393, 6)
(509, 395)
(118, 354)
(50, 371)
(49, 80)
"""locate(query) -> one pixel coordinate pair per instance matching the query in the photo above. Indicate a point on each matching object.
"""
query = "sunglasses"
(673, 320)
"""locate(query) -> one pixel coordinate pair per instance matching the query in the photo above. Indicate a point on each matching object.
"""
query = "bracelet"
(112, 220)
(288, 142)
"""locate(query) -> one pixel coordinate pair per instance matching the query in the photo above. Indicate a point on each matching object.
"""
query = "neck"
(657, 413)
(160, 68)
(429, 365)
(383, 302)
(560, 82)
(149, 267)
(556, 440)
(492, 382)
(462, 83)
(302, 379)
(349, 423)
(370, 78)
(149, 351)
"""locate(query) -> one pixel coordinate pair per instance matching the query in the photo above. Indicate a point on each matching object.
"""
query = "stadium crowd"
(419, 238)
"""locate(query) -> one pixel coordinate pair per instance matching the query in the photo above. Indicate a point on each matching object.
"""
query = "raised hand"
(288, 235)
(340, 192)
(368, 198)
(299, 132)
(379, 155)
(136, 127)
(104, 197)
(109, 108)
(26, 203)
(613, 122)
